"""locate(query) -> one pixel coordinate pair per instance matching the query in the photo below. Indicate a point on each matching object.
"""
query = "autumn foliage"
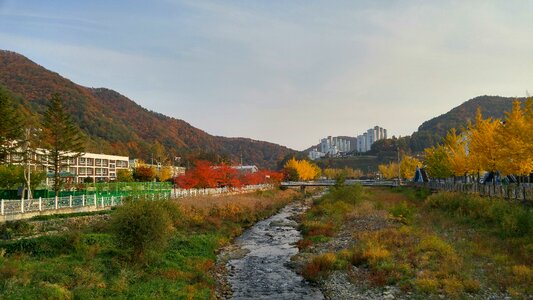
(206, 175)
(301, 170)
(408, 166)
(488, 145)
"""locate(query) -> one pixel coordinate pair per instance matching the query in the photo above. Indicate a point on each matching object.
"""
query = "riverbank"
(86, 262)
(381, 243)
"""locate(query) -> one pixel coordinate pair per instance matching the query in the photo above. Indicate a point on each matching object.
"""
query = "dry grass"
(208, 212)
(249, 200)
(427, 251)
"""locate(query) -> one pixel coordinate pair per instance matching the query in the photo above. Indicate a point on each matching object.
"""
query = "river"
(262, 271)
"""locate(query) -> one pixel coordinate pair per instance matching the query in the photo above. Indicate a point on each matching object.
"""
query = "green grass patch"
(72, 215)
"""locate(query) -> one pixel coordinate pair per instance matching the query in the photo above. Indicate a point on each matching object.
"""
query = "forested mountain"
(117, 125)
(431, 132)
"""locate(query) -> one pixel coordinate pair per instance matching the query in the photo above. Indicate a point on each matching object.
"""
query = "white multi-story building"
(99, 167)
(315, 154)
(175, 170)
(364, 141)
(334, 145)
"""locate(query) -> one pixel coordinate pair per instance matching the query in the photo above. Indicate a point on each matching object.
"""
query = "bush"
(9, 230)
(43, 246)
(319, 265)
(143, 227)
(351, 194)
(402, 212)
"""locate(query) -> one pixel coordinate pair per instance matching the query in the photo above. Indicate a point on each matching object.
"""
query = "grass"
(442, 244)
(63, 216)
(87, 264)
(322, 221)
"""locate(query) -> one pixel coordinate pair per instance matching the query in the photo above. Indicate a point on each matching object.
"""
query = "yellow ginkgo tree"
(303, 169)
(483, 145)
(514, 139)
(456, 154)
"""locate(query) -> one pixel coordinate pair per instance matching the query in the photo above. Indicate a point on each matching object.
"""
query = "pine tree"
(63, 139)
(11, 126)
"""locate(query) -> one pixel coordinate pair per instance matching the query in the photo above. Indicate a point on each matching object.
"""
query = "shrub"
(402, 212)
(375, 253)
(317, 228)
(351, 194)
(427, 285)
(43, 246)
(12, 229)
(142, 227)
(453, 287)
(318, 266)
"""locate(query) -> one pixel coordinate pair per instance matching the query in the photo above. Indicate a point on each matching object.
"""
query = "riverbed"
(258, 265)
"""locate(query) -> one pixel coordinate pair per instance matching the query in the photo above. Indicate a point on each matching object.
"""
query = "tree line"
(499, 147)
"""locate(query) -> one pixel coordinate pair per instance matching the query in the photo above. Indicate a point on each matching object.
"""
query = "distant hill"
(433, 131)
(118, 125)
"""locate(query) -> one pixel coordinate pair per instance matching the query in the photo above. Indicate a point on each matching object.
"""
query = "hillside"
(431, 132)
(118, 125)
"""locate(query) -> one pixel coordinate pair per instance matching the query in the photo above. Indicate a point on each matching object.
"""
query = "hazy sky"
(288, 72)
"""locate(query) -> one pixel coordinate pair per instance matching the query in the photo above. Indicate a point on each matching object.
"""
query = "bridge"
(327, 183)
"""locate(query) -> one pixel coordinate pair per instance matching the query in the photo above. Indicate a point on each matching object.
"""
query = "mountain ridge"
(116, 124)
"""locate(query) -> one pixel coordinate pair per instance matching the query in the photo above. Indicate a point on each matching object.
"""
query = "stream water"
(262, 273)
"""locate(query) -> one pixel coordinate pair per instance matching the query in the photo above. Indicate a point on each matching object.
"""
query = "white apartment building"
(315, 154)
(364, 141)
(334, 145)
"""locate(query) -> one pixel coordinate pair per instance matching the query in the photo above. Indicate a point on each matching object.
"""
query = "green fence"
(101, 189)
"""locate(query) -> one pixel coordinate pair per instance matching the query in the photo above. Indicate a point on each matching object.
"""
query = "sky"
(288, 72)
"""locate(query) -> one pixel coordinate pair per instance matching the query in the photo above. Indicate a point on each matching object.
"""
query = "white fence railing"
(179, 193)
(11, 207)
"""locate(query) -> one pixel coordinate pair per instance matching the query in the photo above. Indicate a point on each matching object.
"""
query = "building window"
(90, 162)
(122, 164)
(82, 171)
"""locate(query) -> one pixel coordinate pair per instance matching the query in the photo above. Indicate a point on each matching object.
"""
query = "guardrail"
(23, 209)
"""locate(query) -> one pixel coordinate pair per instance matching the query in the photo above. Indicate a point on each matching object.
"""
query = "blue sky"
(288, 72)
